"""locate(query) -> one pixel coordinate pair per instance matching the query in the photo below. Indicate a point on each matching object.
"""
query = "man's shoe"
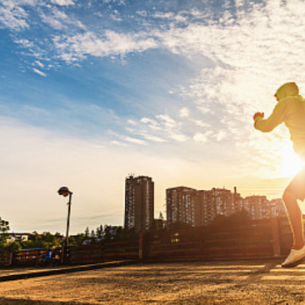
(294, 258)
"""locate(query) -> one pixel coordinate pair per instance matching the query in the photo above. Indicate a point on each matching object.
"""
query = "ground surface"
(247, 282)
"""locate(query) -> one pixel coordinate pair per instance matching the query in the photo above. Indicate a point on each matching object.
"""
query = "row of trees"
(105, 233)
(44, 240)
(49, 240)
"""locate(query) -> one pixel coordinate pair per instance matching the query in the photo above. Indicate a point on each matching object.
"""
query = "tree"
(92, 235)
(87, 231)
(107, 233)
(180, 225)
(219, 219)
(79, 239)
(4, 228)
(99, 232)
(239, 216)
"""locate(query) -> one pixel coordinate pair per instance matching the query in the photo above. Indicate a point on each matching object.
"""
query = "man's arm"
(276, 118)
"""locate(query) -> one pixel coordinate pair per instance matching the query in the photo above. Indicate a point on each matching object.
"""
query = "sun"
(291, 164)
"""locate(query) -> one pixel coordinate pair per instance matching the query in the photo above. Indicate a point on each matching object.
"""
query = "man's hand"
(257, 114)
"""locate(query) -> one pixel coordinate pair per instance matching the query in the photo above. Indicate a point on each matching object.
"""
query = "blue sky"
(94, 90)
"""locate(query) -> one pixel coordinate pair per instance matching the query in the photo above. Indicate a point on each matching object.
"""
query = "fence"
(27, 257)
(104, 251)
(251, 239)
(5, 259)
(242, 240)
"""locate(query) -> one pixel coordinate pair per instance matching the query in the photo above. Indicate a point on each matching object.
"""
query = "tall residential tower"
(139, 203)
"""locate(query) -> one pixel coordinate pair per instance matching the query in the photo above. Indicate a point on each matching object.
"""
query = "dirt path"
(245, 282)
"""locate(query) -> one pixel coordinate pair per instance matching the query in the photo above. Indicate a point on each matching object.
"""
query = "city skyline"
(209, 210)
(91, 91)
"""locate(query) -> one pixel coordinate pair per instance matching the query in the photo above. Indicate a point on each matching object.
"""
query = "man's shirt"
(291, 111)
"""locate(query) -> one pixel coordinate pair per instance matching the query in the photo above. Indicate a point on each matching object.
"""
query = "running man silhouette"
(290, 109)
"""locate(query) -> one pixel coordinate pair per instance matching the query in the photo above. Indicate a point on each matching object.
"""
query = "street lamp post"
(64, 191)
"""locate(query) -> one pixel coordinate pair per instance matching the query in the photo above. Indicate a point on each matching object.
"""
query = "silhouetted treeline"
(103, 233)
(239, 216)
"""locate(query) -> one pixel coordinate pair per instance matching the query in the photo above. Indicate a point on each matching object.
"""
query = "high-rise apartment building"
(139, 203)
(182, 204)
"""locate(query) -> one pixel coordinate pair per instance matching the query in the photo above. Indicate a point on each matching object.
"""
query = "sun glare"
(291, 163)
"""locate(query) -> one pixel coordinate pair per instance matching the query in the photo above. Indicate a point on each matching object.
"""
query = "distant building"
(200, 207)
(277, 208)
(182, 206)
(18, 237)
(260, 207)
(207, 208)
(139, 203)
(257, 206)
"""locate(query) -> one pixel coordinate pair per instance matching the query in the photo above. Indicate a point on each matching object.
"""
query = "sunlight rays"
(291, 164)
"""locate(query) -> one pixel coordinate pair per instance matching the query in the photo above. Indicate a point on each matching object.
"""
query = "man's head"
(288, 89)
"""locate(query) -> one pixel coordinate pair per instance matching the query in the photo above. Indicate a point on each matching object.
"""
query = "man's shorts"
(297, 185)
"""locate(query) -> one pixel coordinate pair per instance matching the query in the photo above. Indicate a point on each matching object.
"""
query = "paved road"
(240, 282)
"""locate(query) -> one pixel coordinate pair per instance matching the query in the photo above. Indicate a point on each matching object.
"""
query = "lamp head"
(64, 191)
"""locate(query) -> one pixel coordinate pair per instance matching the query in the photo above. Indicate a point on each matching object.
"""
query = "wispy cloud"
(78, 47)
(128, 139)
(39, 72)
(63, 2)
(59, 20)
(199, 137)
(184, 112)
(13, 17)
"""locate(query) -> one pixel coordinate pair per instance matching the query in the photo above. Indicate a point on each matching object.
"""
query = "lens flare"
(291, 164)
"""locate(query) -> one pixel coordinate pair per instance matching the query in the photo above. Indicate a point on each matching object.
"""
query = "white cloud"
(165, 128)
(39, 72)
(128, 139)
(25, 43)
(116, 16)
(162, 15)
(168, 121)
(184, 112)
(118, 143)
(147, 120)
(13, 17)
(63, 2)
(201, 123)
(40, 64)
(59, 20)
(221, 135)
(153, 138)
(142, 13)
(153, 124)
(77, 47)
(178, 137)
(199, 137)
(131, 122)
